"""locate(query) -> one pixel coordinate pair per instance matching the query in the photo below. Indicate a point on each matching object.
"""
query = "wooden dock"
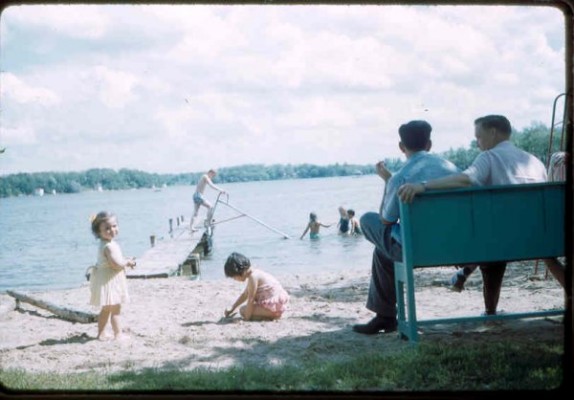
(167, 255)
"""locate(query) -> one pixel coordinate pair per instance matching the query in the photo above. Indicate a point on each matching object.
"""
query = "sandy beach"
(178, 322)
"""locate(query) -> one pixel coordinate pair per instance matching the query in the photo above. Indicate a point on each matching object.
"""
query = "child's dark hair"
(98, 220)
(313, 216)
(236, 264)
(351, 212)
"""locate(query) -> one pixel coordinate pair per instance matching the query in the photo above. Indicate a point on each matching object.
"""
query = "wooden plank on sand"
(65, 313)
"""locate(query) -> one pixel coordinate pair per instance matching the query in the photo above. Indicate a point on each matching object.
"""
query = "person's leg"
(492, 274)
(556, 269)
(116, 325)
(461, 275)
(382, 298)
(103, 321)
(194, 216)
(372, 227)
(382, 294)
(379, 234)
(198, 202)
(260, 313)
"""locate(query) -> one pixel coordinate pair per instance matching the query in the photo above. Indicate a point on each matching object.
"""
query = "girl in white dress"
(108, 283)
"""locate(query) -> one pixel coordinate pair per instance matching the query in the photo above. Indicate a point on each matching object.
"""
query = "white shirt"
(505, 164)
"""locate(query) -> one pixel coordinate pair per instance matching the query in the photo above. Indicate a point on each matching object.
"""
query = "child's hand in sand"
(228, 313)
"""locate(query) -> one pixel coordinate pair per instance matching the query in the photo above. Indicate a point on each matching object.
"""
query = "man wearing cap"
(383, 229)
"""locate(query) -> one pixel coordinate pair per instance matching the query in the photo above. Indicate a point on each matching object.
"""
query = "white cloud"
(13, 88)
(316, 112)
(174, 88)
(19, 135)
(84, 21)
(206, 35)
(115, 87)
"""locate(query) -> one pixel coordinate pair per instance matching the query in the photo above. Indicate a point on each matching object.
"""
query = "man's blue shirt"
(421, 166)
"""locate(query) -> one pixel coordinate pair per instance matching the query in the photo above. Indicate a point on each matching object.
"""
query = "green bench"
(474, 225)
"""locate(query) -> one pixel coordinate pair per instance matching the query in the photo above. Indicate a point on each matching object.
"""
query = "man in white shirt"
(499, 163)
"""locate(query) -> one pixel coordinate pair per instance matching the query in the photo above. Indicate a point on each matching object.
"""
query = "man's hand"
(382, 171)
(408, 191)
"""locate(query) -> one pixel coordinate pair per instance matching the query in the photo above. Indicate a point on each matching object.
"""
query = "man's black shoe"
(376, 325)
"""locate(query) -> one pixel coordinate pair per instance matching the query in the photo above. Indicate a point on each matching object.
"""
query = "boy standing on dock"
(199, 200)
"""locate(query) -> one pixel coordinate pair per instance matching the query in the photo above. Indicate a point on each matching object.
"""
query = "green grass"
(427, 367)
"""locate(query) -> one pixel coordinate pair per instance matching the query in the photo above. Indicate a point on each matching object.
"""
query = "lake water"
(46, 242)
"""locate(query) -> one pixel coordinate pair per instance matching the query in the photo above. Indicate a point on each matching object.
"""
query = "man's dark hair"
(498, 122)
(415, 135)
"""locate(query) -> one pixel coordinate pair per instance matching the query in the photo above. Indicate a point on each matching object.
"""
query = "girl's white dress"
(107, 285)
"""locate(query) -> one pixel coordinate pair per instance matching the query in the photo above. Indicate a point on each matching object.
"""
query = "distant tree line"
(534, 139)
(109, 179)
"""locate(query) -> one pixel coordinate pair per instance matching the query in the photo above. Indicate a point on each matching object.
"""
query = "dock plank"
(165, 257)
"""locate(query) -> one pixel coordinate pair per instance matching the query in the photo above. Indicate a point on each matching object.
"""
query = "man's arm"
(382, 171)
(240, 300)
(251, 290)
(389, 210)
(210, 183)
(408, 191)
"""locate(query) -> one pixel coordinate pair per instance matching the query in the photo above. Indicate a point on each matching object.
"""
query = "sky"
(185, 88)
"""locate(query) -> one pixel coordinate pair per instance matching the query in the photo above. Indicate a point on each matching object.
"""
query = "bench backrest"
(480, 224)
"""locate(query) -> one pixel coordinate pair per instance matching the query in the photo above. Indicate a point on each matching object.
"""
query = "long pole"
(285, 236)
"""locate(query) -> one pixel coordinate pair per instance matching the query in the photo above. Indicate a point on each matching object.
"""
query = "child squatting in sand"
(108, 283)
(266, 299)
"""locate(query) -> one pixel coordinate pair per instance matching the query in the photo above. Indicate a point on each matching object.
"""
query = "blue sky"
(184, 88)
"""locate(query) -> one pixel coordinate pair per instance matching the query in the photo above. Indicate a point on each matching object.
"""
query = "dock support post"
(170, 225)
(190, 266)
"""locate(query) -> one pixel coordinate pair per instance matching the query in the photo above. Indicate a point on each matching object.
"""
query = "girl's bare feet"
(121, 337)
(103, 337)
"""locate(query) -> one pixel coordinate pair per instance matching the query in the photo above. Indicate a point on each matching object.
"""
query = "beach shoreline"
(177, 322)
